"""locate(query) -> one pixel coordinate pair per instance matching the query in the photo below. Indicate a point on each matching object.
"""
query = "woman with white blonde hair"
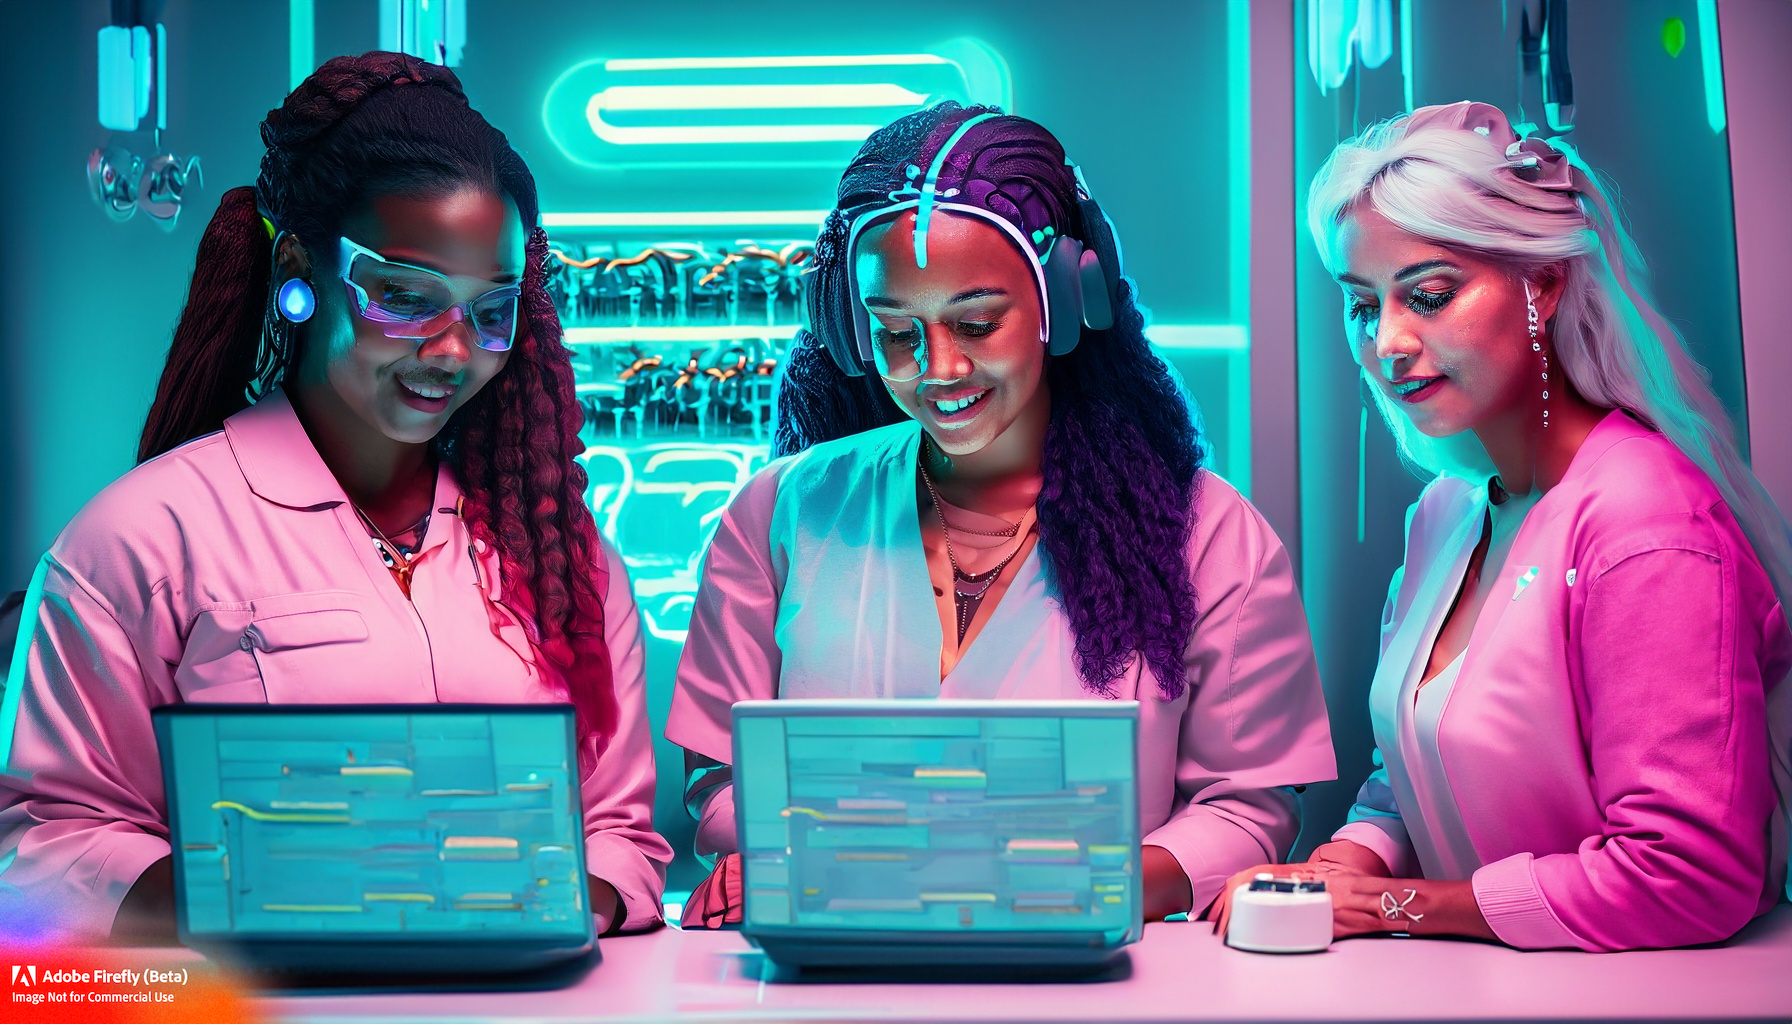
(1582, 705)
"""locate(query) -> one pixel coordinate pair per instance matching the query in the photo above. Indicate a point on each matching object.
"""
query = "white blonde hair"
(1454, 187)
(1457, 188)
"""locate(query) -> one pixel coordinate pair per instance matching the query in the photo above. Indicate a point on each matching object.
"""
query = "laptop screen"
(426, 821)
(1003, 816)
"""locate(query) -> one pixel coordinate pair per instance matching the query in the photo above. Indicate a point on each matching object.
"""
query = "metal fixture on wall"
(133, 90)
(1543, 58)
(433, 30)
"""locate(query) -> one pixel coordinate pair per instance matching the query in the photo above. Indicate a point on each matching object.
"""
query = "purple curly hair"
(1122, 451)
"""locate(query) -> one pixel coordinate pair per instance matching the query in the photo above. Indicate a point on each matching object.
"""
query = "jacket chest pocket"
(290, 649)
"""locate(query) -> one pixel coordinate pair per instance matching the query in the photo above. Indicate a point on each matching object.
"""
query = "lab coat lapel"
(916, 639)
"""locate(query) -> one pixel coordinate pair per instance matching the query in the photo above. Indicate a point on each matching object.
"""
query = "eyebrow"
(974, 293)
(1424, 267)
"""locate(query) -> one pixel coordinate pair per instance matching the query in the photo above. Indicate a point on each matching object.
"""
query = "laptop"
(903, 833)
(369, 841)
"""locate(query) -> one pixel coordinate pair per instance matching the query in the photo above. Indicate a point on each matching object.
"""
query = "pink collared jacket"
(233, 568)
(1605, 765)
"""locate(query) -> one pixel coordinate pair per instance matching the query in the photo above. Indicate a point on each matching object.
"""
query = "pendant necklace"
(969, 589)
(397, 560)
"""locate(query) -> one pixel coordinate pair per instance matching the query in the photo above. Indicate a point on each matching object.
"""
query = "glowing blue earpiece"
(296, 300)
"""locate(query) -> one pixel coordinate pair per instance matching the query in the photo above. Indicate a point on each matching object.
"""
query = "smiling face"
(405, 388)
(1440, 332)
(972, 316)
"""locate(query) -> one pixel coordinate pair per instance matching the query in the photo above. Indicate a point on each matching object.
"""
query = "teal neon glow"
(21, 648)
(1406, 83)
(1362, 471)
(709, 135)
(1204, 337)
(301, 40)
(984, 71)
(1238, 185)
(1233, 342)
(924, 212)
(638, 98)
(1238, 153)
(659, 503)
(646, 335)
(688, 219)
(1711, 61)
(687, 112)
(751, 97)
(734, 63)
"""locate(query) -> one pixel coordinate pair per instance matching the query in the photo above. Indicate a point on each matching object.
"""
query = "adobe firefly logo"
(26, 972)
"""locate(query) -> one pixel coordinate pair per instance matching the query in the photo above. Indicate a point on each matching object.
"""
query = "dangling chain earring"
(274, 349)
(1530, 313)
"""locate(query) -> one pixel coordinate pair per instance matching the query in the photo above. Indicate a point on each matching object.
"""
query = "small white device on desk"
(1280, 915)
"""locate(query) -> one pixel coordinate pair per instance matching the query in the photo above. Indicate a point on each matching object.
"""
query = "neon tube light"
(687, 218)
(301, 45)
(1238, 201)
(21, 653)
(673, 113)
(1208, 337)
(753, 97)
(1711, 61)
(637, 98)
(1406, 83)
(617, 135)
(715, 63)
(716, 332)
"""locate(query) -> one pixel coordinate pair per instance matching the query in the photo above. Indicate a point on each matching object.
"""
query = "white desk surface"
(1180, 972)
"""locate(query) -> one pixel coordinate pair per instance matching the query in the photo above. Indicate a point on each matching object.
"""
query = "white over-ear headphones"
(1078, 279)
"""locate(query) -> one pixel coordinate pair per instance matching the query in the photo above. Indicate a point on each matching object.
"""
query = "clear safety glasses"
(412, 302)
(900, 352)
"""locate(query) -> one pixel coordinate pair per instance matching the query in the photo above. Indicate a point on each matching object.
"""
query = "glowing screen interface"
(413, 824)
(939, 823)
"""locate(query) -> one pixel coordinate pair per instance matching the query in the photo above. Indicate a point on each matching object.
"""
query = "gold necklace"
(968, 589)
(397, 562)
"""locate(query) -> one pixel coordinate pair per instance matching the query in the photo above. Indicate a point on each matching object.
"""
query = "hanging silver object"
(162, 185)
(112, 174)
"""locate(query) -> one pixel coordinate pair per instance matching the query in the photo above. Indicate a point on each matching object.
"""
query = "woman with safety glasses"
(992, 487)
(357, 485)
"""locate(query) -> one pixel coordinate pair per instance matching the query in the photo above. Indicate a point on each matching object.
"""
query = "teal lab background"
(1191, 118)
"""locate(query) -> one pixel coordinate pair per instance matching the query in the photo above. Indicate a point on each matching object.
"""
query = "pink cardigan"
(1606, 743)
(150, 596)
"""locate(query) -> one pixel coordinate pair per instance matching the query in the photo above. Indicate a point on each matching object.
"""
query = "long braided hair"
(384, 124)
(1122, 452)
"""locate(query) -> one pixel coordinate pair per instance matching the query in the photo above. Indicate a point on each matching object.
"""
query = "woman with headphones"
(976, 412)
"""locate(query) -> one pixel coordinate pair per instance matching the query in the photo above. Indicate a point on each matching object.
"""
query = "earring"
(274, 350)
(1530, 313)
(296, 300)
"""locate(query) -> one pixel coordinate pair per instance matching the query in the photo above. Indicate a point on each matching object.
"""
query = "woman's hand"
(717, 900)
(1330, 863)
(606, 903)
(1220, 913)
(1351, 856)
(147, 917)
(1365, 901)
(1166, 885)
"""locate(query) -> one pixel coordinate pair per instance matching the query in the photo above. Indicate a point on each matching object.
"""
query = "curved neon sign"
(694, 111)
